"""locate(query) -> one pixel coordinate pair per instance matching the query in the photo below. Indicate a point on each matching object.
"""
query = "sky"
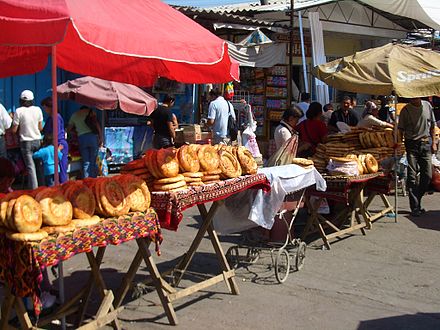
(204, 3)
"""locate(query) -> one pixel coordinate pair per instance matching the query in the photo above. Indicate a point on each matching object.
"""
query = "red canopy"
(133, 42)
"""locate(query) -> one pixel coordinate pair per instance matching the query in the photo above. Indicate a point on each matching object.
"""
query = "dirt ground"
(388, 279)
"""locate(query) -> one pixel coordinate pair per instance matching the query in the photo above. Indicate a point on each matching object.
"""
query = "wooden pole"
(290, 70)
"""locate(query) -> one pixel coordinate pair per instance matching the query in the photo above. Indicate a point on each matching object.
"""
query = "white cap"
(27, 95)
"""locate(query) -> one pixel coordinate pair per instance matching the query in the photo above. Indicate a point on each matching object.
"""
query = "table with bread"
(42, 227)
(351, 164)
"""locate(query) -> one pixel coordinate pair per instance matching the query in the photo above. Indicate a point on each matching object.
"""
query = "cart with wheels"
(286, 256)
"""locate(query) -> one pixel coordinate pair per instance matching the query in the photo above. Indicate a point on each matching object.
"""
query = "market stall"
(22, 263)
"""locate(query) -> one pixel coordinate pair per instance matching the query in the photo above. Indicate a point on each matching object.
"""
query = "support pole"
(396, 161)
(55, 114)
(290, 69)
(303, 53)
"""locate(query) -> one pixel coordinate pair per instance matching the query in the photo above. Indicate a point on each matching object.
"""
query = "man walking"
(5, 123)
(28, 122)
(418, 125)
(218, 114)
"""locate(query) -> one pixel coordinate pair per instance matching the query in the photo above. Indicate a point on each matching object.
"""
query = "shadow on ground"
(408, 322)
(429, 220)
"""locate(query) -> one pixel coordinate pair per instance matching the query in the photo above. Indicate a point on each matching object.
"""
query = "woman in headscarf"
(369, 117)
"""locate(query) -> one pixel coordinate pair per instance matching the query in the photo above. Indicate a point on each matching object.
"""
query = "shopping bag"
(101, 161)
(285, 154)
(250, 142)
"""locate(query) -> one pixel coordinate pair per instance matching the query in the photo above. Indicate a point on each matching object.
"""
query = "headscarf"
(368, 109)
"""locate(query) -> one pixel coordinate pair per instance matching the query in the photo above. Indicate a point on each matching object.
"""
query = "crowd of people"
(36, 140)
(417, 124)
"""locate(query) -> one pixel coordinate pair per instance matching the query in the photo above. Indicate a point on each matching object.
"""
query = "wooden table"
(349, 192)
(379, 187)
(21, 266)
(169, 207)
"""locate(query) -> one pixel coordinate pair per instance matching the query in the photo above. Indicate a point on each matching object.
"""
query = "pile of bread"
(191, 165)
(352, 165)
(32, 215)
(359, 141)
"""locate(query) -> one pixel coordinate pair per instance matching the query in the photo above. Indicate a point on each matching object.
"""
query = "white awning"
(425, 11)
(264, 56)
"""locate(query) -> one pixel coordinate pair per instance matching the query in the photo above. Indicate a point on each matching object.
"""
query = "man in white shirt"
(5, 123)
(28, 122)
(218, 114)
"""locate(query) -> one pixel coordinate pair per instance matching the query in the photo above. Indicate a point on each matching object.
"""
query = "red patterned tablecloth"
(169, 206)
(21, 263)
(338, 187)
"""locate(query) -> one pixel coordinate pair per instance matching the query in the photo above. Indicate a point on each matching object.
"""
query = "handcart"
(286, 256)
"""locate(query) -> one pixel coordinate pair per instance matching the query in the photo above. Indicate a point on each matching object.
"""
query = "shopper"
(286, 128)
(48, 130)
(28, 122)
(417, 123)
(5, 123)
(46, 154)
(90, 138)
(164, 124)
(218, 115)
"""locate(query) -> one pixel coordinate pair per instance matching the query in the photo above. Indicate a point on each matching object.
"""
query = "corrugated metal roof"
(277, 5)
(225, 17)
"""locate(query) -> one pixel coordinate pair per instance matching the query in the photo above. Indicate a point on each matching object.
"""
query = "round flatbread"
(150, 161)
(208, 158)
(177, 178)
(56, 209)
(192, 174)
(371, 163)
(112, 198)
(167, 162)
(169, 186)
(134, 165)
(136, 191)
(27, 237)
(213, 172)
(27, 214)
(214, 177)
(188, 159)
(229, 164)
(304, 161)
(247, 161)
(59, 229)
(82, 199)
(188, 179)
(86, 222)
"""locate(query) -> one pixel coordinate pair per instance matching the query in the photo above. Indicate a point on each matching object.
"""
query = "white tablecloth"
(253, 208)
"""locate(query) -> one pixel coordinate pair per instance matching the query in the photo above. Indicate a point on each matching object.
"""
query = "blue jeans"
(50, 180)
(88, 148)
(64, 161)
(27, 150)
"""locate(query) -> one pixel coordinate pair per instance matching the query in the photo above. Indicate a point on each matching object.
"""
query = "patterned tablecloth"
(338, 187)
(21, 263)
(169, 206)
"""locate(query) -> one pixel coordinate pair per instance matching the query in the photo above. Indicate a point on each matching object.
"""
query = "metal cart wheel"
(300, 256)
(282, 265)
(252, 255)
(232, 256)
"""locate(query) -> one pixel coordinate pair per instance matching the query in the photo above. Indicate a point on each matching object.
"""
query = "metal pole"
(303, 53)
(61, 291)
(396, 122)
(55, 114)
(291, 44)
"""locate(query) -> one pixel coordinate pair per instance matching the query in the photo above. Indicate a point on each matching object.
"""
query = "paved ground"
(388, 279)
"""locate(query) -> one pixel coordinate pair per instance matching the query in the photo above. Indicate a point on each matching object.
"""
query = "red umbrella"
(108, 95)
(133, 43)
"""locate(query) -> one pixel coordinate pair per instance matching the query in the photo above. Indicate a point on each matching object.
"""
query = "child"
(46, 154)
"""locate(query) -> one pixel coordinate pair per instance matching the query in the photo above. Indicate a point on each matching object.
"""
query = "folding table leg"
(157, 281)
(185, 261)
(128, 279)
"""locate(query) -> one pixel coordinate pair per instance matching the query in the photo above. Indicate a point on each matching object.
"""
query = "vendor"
(370, 117)
(312, 131)
(285, 129)
(344, 114)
